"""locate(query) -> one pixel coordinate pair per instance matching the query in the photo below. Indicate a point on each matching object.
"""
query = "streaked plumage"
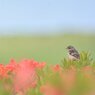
(73, 53)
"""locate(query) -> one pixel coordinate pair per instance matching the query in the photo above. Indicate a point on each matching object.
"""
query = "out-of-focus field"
(50, 49)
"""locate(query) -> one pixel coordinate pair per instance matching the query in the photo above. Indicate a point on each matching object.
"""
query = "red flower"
(11, 66)
(3, 71)
(41, 65)
(25, 76)
(50, 90)
(56, 68)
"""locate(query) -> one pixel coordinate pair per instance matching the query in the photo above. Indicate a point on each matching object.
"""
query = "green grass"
(50, 49)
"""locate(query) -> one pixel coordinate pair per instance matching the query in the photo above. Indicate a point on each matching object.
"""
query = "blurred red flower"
(50, 90)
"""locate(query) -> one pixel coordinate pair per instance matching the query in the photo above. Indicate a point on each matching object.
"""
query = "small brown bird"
(73, 53)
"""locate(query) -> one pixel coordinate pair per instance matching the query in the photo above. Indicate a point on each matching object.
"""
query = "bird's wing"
(74, 53)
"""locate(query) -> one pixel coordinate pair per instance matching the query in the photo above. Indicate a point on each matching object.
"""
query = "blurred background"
(42, 29)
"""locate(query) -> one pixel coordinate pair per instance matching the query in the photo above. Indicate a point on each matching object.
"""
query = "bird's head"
(69, 47)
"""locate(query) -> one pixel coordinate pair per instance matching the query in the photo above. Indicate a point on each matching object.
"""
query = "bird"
(73, 54)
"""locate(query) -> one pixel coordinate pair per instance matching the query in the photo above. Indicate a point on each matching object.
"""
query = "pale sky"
(46, 14)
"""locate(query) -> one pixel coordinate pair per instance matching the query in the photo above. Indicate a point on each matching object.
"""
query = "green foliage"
(85, 60)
